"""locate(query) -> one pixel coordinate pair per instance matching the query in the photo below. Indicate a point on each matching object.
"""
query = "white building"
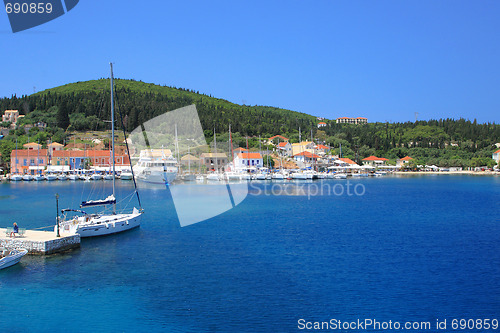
(348, 120)
(496, 156)
(285, 148)
(245, 161)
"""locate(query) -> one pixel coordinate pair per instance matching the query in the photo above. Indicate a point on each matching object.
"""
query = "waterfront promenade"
(39, 242)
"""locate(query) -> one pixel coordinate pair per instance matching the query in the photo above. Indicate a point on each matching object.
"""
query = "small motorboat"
(126, 175)
(11, 257)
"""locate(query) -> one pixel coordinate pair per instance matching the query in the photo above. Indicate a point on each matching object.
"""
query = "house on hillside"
(349, 120)
(321, 149)
(11, 116)
(496, 156)
(274, 140)
(284, 148)
(306, 157)
(32, 146)
(321, 124)
(302, 146)
(402, 161)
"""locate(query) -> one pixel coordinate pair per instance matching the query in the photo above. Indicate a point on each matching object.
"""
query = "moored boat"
(11, 257)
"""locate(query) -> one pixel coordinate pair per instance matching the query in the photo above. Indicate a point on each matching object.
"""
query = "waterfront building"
(28, 160)
(213, 160)
(239, 150)
(349, 120)
(245, 161)
(374, 161)
(189, 159)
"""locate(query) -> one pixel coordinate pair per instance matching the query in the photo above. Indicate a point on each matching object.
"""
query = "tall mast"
(112, 132)
(215, 148)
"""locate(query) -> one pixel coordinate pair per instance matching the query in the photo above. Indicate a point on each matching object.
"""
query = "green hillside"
(84, 107)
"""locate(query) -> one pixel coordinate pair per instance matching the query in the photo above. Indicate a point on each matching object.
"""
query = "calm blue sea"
(410, 249)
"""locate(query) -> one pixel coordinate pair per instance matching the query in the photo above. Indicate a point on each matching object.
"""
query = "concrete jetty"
(39, 242)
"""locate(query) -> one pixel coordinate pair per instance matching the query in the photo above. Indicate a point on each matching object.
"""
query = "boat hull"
(13, 258)
(106, 225)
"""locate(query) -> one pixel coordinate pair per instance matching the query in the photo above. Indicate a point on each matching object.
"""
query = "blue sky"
(384, 60)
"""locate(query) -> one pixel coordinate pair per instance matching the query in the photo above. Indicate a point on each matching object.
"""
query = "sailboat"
(91, 225)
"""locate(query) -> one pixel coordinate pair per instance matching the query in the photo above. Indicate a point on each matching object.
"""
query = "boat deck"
(39, 242)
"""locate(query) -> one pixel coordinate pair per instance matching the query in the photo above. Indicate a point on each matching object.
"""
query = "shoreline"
(475, 173)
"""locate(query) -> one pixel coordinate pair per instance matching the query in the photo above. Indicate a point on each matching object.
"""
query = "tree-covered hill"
(84, 106)
(88, 101)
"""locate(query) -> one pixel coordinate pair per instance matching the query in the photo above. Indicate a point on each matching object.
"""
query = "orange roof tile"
(347, 160)
(498, 151)
(322, 147)
(307, 154)
(278, 136)
(406, 158)
(249, 155)
(28, 152)
(322, 123)
(375, 158)
(282, 144)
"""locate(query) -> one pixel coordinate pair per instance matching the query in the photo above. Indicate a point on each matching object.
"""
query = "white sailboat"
(91, 225)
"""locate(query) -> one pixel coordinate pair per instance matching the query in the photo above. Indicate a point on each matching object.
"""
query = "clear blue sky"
(383, 60)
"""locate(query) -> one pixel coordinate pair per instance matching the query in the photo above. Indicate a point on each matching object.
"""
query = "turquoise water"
(410, 249)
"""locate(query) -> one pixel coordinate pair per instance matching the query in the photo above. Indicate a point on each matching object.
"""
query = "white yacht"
(27, 177)
(155, 167)
(16, 177)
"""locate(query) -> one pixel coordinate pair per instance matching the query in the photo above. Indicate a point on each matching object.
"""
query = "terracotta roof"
(218, 155)
(343, 118)
(26, 152)
(189, 157)
(249, 155)
(303, 143)
(240, 149)
(322, 147)
(278, 136)
(361, 118)
(406, 158)
(69, 153)
(307, 154)
(282, 144)
(498, 151)
(55, 144)
(29, 144)
(347, 160)
(322, 123)
(375, 158)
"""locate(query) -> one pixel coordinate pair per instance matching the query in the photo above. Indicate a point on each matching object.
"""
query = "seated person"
(15, 230)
